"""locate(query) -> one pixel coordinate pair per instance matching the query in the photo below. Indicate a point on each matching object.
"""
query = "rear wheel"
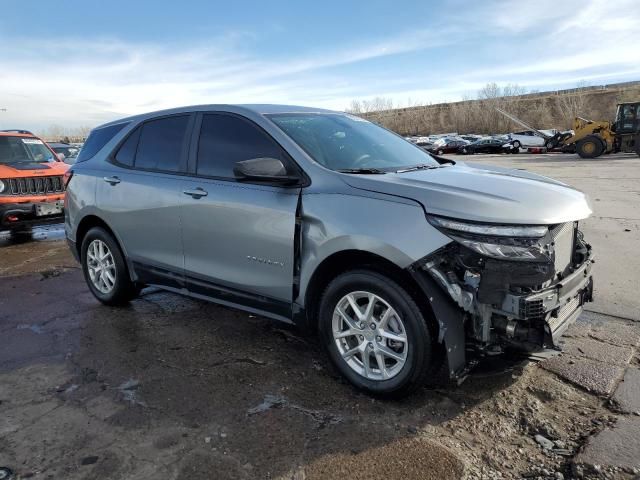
(375, 334)
(105, 269)
(590, 147)
(516, 144)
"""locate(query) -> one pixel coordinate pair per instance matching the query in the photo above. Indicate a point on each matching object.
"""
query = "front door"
(238, 237)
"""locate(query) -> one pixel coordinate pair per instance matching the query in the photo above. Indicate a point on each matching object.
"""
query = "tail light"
(66, 178)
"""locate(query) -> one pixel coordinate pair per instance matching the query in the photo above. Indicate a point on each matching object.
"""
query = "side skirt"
(211, 292)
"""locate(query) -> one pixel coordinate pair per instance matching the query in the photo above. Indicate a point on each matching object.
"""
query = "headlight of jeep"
(505, 242)
(2, 187)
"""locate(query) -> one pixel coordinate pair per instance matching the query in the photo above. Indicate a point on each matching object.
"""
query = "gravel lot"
(180, 389)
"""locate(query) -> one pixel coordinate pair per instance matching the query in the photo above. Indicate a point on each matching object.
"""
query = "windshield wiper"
(374, 171)
(422, 166)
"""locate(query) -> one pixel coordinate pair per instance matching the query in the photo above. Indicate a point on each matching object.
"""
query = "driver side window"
(227, 139)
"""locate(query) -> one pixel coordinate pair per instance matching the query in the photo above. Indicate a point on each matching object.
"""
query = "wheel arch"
(345, 260)
(446, 320)
(90, 221)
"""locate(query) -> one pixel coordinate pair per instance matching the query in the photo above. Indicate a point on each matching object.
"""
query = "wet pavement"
(174, 388)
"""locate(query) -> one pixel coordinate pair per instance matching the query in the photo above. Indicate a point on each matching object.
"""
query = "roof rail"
(15, 130)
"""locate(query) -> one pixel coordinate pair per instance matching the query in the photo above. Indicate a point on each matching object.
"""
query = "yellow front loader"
(590, 139)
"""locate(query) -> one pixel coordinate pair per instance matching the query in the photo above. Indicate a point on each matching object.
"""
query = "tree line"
(479, 115)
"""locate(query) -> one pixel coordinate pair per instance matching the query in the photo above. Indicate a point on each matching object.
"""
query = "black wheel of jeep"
(516, 144)
(105, 269)
(375, 334)
(590, 147)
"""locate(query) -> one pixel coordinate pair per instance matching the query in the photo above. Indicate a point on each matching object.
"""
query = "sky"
(81, 63)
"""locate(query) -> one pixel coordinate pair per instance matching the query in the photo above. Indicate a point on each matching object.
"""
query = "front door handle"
(196, 193)
(112, 180)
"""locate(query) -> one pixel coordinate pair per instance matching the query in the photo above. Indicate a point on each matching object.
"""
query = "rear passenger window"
(160, 144)
(127, 152)
(226, 139)
(98, 138)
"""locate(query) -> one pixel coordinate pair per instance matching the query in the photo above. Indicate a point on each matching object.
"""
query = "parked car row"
(472, 143)
(67, 152)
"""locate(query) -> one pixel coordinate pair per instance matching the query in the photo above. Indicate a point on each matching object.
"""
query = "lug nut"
(373, 326)
(370, 345)
(361, 325)
(361, 337)
(379, 338)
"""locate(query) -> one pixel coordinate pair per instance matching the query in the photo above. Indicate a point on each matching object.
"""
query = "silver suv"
(404, 263)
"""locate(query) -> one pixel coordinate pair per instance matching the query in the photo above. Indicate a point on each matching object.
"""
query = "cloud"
(87, 81)
(80, 81)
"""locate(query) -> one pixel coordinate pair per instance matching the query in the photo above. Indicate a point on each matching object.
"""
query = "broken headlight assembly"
(527, 243)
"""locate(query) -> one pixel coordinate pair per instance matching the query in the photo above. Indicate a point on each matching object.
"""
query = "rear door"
(140, 196)
(238, 236)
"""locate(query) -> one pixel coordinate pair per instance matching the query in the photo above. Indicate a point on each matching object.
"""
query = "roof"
(261, 109)
(16, 133)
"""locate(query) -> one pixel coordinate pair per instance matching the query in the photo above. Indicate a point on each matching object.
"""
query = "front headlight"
(2, 187)
(505, 242)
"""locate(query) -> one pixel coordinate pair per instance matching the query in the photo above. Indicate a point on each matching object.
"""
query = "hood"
(483, 194)
(32, 169)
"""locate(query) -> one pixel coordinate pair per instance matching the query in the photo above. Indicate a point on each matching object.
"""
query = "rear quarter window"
(97, 139)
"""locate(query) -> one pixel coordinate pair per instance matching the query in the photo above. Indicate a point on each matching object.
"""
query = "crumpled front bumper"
(560, 304)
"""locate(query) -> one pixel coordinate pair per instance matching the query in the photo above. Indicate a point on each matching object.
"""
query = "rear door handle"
(196, 193)
(112, 180)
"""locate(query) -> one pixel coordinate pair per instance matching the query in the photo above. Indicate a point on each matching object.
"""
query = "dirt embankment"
(541, 110)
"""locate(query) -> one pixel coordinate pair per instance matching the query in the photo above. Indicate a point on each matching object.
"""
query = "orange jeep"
(32, 182)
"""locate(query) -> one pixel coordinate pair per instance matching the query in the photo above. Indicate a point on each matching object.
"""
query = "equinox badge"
(265, 261)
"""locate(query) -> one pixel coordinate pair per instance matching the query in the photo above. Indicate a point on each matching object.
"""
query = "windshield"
(22, 149)
(344, 142)
(68, 152)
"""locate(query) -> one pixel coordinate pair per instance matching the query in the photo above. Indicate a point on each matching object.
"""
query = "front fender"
(394, 230)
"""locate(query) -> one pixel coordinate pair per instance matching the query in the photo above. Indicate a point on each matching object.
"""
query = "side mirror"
(61, 157)
(264, 169)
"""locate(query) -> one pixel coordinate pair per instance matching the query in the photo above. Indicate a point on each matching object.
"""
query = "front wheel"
(375, 334)
(105, 269)
(590, 147)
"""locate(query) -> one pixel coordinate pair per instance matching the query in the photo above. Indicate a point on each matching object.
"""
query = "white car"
(528, 138)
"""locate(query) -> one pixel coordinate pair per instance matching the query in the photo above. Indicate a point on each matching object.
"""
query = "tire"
(515, 150)
(397, 377)
(590, 147)
(516, 144)
(118, 290)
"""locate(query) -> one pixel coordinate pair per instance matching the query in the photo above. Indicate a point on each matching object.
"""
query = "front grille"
(563, 242)
(531, 308)
(33, 185)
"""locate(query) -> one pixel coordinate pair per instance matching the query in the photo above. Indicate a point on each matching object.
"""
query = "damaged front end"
(514, 287)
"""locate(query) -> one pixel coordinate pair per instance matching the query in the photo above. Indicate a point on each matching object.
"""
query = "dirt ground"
(174, 388)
